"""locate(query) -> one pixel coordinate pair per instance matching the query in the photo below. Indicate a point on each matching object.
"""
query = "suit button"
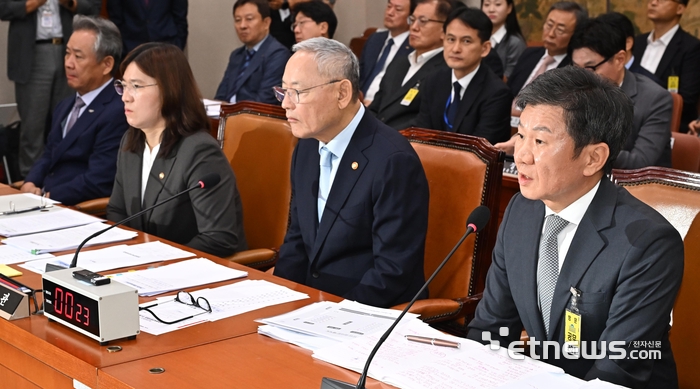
(314, 275)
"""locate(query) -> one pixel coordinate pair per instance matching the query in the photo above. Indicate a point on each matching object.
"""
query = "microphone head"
(478, 218)
(209, 181)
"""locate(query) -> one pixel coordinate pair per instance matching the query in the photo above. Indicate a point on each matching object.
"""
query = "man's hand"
(29, 187)
(32, 5)
(694, 127)
(507, 147)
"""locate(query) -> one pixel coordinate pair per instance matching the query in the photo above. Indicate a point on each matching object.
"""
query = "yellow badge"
(572, 325)
(410, 95)
(673, 82)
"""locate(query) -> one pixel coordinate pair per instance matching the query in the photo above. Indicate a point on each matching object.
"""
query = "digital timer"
(104, 312)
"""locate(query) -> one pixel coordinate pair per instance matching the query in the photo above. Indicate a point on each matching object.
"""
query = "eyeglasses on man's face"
(300, 23)
(595, 67)
(422, 21)
(294, 94)
(133, 89)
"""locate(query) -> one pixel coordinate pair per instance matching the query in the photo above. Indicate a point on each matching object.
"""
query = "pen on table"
(37, 208)
(14, 284)
(433, 341)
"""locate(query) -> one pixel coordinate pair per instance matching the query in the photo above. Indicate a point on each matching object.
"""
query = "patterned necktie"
(378, 66)
(548, 60)
(239, 79)
(74, 114)
(324, 178)
(548, 266)
(453, 107)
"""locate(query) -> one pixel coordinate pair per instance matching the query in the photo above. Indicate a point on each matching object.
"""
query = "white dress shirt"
(339, 144)
(553, 65)
(87, 99)
(148, 157)
(48, 21)
(497, 36)
(398, 41)
(463, 82)
(418, 61)
(656, 48)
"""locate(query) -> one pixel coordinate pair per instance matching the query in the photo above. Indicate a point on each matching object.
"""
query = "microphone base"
(330, 383)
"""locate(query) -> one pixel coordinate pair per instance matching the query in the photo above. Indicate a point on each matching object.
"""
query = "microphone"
(208, 181)
(475, 222)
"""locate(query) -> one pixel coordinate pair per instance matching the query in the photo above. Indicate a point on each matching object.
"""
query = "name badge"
(410, 95)
(46, 19)
(572, 325)
(673, 82)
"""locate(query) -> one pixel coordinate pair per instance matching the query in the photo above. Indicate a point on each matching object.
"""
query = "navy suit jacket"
(82, 165)
(484, 110)
(370, 243)
(526, 64)
(681, 58)
(159, 21)
(264, 71)
(626, 260)
(373, 49)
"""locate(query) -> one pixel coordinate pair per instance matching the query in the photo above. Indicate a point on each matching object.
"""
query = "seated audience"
(313, 19)
(150, 21)
(398, 99)
(506, 38)
(256, 67)
(168, 149)
(383, 47)
(579, 261)
(468, 97)
(79, 160)
(359, 211)
(281, 22)
(671, 54)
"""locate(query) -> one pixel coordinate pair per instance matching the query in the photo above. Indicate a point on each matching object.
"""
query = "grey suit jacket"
(210, 220)
(509, 50)
(626, 260)
(649, 142)
(22, 34)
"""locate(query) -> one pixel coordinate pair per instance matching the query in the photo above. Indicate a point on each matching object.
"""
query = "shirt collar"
(557, 58)
(665, 38)
(575, 211)
(257, 46)
(630, 62)
(497, 36)
(338, 144)
(464, 81)
(423, 58)
(90, 96)
(397, 39)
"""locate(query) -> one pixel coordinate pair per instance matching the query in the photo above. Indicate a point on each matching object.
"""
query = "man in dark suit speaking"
(578, 258)
(359, 208)
(80, 158)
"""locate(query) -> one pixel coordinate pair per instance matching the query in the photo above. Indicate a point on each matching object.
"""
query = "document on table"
(114, 257)
(67, 239)
(10, 255)
(177, 276)
(212, 107)
(225, 301)
(45, 220)
(23, 201)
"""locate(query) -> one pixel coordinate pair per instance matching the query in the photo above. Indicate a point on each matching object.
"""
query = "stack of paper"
(212, 106)
(67, 239)
(45, 220)
(10, 255)
(177, 276)
(23, 201)
(114, 257)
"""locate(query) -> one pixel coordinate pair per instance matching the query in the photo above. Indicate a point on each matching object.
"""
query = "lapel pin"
(355, 165)
(161, 175)
(91, 110)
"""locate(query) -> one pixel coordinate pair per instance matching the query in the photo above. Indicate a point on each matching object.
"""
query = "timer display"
(71, 307)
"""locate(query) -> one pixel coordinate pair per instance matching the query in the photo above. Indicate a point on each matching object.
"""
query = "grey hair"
(108, 40)
(334, 60)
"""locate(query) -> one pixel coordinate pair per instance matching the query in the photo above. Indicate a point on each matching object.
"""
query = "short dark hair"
(620, 21)
(263, 6)
(600, 37)
(595, 110)
(474, 18)
(181, 101)
(319, 12)
(444, 7)
(569, 6)
(682, 2)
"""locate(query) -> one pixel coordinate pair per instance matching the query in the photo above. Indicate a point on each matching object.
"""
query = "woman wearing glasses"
(168, 150)
(506, 37)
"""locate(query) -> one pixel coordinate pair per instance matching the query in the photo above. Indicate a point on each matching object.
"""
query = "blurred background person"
(506, 38)
(142, 21)
(281, 22)
(313, 19)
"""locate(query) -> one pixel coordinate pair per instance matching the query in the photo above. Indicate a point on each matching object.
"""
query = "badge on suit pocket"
(410, 95)
(572, 325)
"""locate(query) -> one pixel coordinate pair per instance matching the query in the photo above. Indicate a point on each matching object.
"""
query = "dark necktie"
(452, 109)
(74, 114)
(378, 66)
(239, 79)
(548, 265)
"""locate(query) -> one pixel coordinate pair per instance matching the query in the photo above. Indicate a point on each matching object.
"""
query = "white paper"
(10, 255)
(213, 107)
(68, 238)
(40, 221)
(177, 276)
(309, 342)
(23, 201)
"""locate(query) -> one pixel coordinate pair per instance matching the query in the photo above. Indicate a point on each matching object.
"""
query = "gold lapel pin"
(355, 165)
(91, 110)
(161, 175)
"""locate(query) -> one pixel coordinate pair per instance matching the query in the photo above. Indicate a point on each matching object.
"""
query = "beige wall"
(7, 89)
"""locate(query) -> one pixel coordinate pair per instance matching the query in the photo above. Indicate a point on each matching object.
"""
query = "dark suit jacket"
(22, 34)
(649, 142)
(210, 220)
(484, 110)
(82, 165)
(526, 64)
(282, 29)
(626, 260)
(387, 102)
(369, 246)
(373, 49)
(264, 71)
(159, 21)
(681, 58)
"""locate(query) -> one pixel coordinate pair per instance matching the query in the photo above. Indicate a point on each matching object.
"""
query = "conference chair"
(677, 111)
(358, 43)
(258, 143)
(463, 172)
(675, 194)
(684, 337)
(685, 152)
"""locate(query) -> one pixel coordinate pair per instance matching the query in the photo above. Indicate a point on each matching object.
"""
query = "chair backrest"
(684, 336)
(677, 111)
(463, 172)
(358, 43)
(673, 193)
(685, 154)
(258, 143)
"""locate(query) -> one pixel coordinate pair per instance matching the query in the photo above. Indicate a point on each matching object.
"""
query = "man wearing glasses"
(79, 160)
(359, 208)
